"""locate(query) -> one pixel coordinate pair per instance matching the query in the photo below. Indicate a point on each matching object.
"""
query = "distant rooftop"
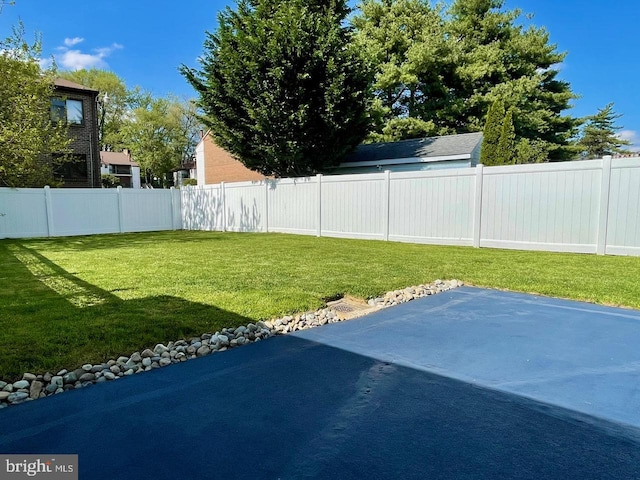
(61, 82)
(116, 158)
(444, 146)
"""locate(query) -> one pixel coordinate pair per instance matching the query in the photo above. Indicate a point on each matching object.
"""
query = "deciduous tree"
(112, 109)
(28, 136)
(161, 133)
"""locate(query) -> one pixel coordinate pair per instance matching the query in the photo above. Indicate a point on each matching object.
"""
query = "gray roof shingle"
(449, 145)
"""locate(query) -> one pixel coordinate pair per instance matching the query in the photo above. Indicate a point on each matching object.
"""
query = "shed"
(430, 153)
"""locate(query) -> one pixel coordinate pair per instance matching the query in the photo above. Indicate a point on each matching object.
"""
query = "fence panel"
(202, 208)
(552, 207)
(586, 206)
(432, 207)
(245, 205)
(23, 213)
(623, 222)
(84, 211)
(353, 206)
(147, 210)
(293, 205)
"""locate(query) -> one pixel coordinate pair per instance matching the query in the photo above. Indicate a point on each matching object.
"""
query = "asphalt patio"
(470, 383)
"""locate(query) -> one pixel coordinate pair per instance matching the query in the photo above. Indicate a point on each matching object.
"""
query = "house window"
(122, 169)
(67, 110)
(73, 169)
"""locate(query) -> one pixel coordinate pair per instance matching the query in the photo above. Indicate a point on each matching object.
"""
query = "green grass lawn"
(69, 301)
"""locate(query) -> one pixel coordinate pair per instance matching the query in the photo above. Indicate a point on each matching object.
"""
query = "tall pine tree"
(599, 134)
(448, 67)
(506, 153)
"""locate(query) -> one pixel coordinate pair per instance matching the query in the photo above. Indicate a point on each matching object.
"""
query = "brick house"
(77, 105)
(215, 165)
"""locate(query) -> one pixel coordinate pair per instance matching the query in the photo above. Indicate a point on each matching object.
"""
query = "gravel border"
(32, 387)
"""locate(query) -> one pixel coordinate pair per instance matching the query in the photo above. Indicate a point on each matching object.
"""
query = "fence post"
(172, 191)
(603, 217)
(477, 210)
(387, 204)
(319, 232)
(48, 204)
(120, 210)
(224, 207)
(266, 205)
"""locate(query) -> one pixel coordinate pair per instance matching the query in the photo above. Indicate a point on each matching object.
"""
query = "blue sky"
(145, 41)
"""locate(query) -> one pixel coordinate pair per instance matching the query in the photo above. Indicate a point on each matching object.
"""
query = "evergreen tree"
(491, 134)
(405, 44)
(282, 87)
(505, 153)
(449, 66)
(599, 134)
(498, 58)
(531, 151)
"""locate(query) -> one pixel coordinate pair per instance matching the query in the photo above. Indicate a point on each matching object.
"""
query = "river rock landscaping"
(32, 386)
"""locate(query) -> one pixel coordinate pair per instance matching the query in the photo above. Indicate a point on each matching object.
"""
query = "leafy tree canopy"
(161, 133)
(282, 87)
(112, 109)
(28, 136)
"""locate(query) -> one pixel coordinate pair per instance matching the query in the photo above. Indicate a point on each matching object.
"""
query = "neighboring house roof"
(430, 149)
(116, 158)
(62, 83)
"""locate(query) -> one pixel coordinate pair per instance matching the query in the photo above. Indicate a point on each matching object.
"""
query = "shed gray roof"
(445, 146)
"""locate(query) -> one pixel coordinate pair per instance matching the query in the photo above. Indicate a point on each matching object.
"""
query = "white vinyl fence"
(588, 206)
(48, 212)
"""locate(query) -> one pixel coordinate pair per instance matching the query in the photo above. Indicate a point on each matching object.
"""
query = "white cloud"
(633, 137)
(70, 42)
(74, 59)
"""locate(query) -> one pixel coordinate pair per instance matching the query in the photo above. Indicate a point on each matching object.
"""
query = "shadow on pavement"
(291, 408)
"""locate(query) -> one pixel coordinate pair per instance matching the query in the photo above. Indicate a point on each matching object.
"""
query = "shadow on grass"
(50, 319)
(124, 240)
